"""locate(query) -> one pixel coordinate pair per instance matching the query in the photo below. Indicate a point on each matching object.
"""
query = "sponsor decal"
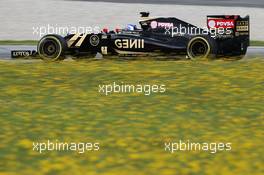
(79, 43)
(104, 36)
(221, 23)
(242, 26)
(144, 23)
(155, 24)
(76, 37)
(104, 50)
(211, 23)
(20, 53)
(94, 40)
(129, 43)
(242, 23)
(73, 39)
(243, 33)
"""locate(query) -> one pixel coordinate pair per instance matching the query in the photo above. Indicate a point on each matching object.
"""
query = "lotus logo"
(20, 53)
(94, 40)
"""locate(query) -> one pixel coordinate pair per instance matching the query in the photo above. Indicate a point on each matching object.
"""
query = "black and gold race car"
(223, 35)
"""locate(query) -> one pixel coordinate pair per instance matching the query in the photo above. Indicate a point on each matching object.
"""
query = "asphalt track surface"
(235, 3)
(5, 51)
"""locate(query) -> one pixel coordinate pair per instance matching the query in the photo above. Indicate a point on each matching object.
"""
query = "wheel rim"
(49, 49)
(199, 49)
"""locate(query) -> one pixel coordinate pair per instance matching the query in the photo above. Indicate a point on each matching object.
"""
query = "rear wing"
(232, 33)
(229, 26)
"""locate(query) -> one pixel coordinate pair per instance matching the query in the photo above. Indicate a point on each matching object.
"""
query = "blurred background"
(20, 16)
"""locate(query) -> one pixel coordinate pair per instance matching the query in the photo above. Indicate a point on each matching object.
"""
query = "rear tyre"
(201, 47)
(52, 48)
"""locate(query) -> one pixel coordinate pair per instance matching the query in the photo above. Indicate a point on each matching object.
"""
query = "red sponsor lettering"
(221, 23)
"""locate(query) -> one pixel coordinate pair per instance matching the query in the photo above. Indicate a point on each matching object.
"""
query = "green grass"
(34, 42)
(18, 42)
(215, 101)
(257, 43)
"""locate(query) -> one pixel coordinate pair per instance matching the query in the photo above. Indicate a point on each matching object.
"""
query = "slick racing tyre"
(52, 48)
(201, 47)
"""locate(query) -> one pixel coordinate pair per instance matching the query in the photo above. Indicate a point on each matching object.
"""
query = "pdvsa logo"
(155, 24)
(129, 43)
(223, 23)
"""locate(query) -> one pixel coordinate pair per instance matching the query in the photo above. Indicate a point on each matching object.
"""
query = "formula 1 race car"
(223, 35)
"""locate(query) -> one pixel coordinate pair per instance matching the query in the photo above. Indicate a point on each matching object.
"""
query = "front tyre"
(201, 47)
(52, 48)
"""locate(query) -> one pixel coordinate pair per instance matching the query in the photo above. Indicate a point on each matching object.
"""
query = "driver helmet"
(131, 27)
